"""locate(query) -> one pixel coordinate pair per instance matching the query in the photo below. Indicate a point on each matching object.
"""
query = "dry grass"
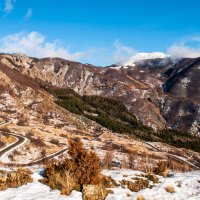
(108, 159)
(14, 179)
(7, 139)
(61, 180)
(170, 189)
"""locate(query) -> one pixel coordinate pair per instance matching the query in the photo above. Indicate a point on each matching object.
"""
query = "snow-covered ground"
(36, 191)
(186, 185)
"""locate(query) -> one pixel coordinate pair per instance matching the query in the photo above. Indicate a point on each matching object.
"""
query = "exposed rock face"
(159, 92)
(24, 102)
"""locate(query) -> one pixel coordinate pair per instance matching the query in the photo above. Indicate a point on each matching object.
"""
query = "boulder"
(94, 192)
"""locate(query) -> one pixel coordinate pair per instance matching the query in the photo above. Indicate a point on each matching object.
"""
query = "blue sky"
(100, 32)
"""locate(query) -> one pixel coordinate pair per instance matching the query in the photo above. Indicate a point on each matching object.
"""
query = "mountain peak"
(143, 56)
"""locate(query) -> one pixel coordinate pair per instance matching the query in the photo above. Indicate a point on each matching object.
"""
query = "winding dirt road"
(19, 142)
(22, 139)
(175, 157)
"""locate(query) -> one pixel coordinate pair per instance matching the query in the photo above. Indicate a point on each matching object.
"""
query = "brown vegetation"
(107, 161)
(54, 141)
(14, 179)
(136, 185)
(140, 197)
(82, 168)
(170, 189)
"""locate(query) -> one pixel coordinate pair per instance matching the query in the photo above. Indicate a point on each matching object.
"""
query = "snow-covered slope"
(186, 186)
(143, 56)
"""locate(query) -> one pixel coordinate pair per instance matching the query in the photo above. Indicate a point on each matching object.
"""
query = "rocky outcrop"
(93, 192)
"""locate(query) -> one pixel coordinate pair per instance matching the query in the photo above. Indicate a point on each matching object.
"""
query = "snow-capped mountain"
(143, 56)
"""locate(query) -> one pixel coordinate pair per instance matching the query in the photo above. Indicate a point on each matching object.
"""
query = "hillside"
(160, 93)
(46, 103)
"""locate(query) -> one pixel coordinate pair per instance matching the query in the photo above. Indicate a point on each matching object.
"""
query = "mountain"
(143, 56)
(160, 93)
(66, 121)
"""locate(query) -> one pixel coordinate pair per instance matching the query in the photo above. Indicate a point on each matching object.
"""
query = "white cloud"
(28, 14)
(35, 44)
(183, 51)
(9, 5)
(122, 53)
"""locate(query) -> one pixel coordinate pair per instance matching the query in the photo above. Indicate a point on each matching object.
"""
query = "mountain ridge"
(139, 88)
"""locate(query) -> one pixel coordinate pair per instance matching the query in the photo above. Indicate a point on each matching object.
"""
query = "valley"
(116, 113)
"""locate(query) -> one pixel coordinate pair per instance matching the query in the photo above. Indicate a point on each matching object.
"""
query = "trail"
(20, 140)
(171, 155)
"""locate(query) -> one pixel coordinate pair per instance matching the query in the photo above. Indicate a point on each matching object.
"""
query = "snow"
(144, 56)
(186, 185)
(139, 57)
(36, 191)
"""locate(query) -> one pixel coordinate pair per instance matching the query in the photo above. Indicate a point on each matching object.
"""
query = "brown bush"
(22, 122)
(107, 161)
(82, 168)
(5, 130)
(2, 144)
(14, 179)
(140, 197)
(137, 185)
(37, 142)
(86, 165)
(54, 141)
(161, 169)
(170, 189)
(131, 159)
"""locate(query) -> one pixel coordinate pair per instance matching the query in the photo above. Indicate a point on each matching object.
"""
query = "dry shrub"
(161, 169)
(54, 141)
(43, 153)
(60, 180)
(2, 144)
(124, 163)
(13, 154)
(8, 139)
(137, 185)
(152, 177)
(14, 179)
(22, 122)
(140, 197)
(131, 159)
(170, 189)
(63, 135)
(108, 182)
(37, 142)
(5, 129)
(82, 168)
(108, 159)
(177, 166)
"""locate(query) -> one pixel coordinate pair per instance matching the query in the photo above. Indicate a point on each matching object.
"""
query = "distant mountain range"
(160, 92)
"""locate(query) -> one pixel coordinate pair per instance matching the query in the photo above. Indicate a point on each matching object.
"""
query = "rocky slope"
(158, 91)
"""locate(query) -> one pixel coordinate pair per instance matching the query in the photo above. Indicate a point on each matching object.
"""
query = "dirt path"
(171, 155)
(19, 141)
